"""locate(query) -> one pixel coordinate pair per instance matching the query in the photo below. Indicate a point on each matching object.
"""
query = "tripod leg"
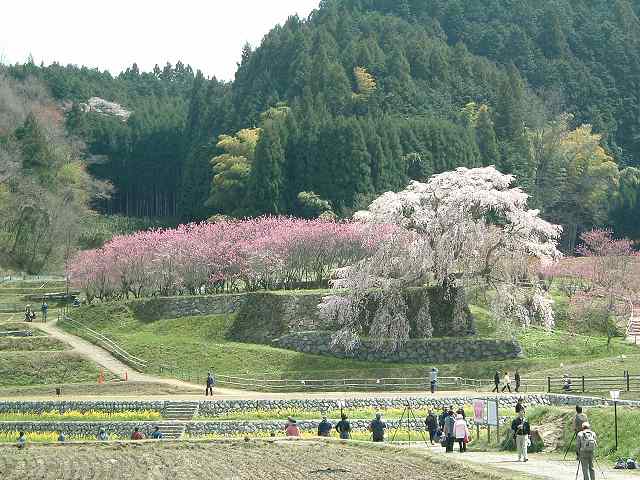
(399, 424)
(578, 470)
(570, 443)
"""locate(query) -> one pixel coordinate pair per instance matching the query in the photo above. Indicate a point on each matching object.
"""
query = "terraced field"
(254, 460)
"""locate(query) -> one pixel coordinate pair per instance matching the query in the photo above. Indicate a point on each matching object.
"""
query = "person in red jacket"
(137, 434)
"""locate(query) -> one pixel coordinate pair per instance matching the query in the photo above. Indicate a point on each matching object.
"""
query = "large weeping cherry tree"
(469, 228)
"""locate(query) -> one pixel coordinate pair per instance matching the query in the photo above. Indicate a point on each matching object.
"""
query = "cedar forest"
(330, 111)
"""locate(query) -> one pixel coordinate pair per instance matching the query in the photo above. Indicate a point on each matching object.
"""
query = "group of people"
(377, 428)
(30, 314)
(448, 428)
(504, 379)
(102, 436)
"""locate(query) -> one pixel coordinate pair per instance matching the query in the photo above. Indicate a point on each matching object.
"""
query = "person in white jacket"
(461, 432)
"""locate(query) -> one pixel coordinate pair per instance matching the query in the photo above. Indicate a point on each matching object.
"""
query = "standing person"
(496, 382)
(376, 427)
(579, 420)
(137, 434)
(431, 422)
(22, 441)
(521, 431)
(460, 411)
(520, 406)
(210, 383)
(461, 432)
(507, 382)
(433, 379)
(343, 427)
(157, 434)
(449, 423)
(291, 428)
(102, 436)
(324, 427)
(586, 443)
(61, 437)
(44, 309)
(442, 418)
(517, 378)
(27, 314)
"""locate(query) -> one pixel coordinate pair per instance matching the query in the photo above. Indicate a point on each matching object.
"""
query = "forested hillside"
(365, 95)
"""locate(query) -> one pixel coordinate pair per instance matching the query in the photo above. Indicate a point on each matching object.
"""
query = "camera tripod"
(597, 465)
(409, 415)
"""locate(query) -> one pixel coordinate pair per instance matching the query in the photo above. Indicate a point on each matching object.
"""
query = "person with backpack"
(431, 422)
(586, 444)
(343, 427)
(521, 431)
(210, 383)
(376, 427)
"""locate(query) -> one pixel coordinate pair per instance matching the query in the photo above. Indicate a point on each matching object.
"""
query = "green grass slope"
(187, 347)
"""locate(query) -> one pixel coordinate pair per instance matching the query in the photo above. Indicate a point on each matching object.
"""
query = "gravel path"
(542, 466)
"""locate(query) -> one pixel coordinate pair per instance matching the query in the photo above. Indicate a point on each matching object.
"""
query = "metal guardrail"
(110, 345)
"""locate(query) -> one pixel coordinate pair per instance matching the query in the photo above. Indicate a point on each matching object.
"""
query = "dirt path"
(105, 359)
(541, 465)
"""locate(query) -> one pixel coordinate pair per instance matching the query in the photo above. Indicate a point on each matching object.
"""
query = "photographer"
(343, 427)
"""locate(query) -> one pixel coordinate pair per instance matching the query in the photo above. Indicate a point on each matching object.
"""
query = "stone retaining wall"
(220, 407)
(80, 405)
(85, 429)
(437, 350)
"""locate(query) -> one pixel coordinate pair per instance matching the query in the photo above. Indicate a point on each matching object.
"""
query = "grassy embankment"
(40, 360)
(191, 345)
(561, 419)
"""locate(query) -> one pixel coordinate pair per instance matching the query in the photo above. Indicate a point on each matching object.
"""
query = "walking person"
(343, 427)
(496, 382)
(521, 431)
(210, 384)
(449, 424)
(376, 427)
(586, 443)
(461, 432)
(431, 422)
(433, 379)
(44, 309)
(324, 427)
(517, 379)
(507, 382)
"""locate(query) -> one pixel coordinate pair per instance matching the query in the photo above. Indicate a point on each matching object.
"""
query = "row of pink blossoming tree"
(259, 254)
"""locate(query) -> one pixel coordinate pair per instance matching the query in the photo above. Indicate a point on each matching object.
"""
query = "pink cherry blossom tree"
(461, 229)
(604, 279)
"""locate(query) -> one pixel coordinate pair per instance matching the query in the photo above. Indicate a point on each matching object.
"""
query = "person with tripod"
(579, 420)
(586, 443)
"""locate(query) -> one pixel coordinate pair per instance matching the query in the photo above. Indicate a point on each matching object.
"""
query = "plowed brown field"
(281, 460)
